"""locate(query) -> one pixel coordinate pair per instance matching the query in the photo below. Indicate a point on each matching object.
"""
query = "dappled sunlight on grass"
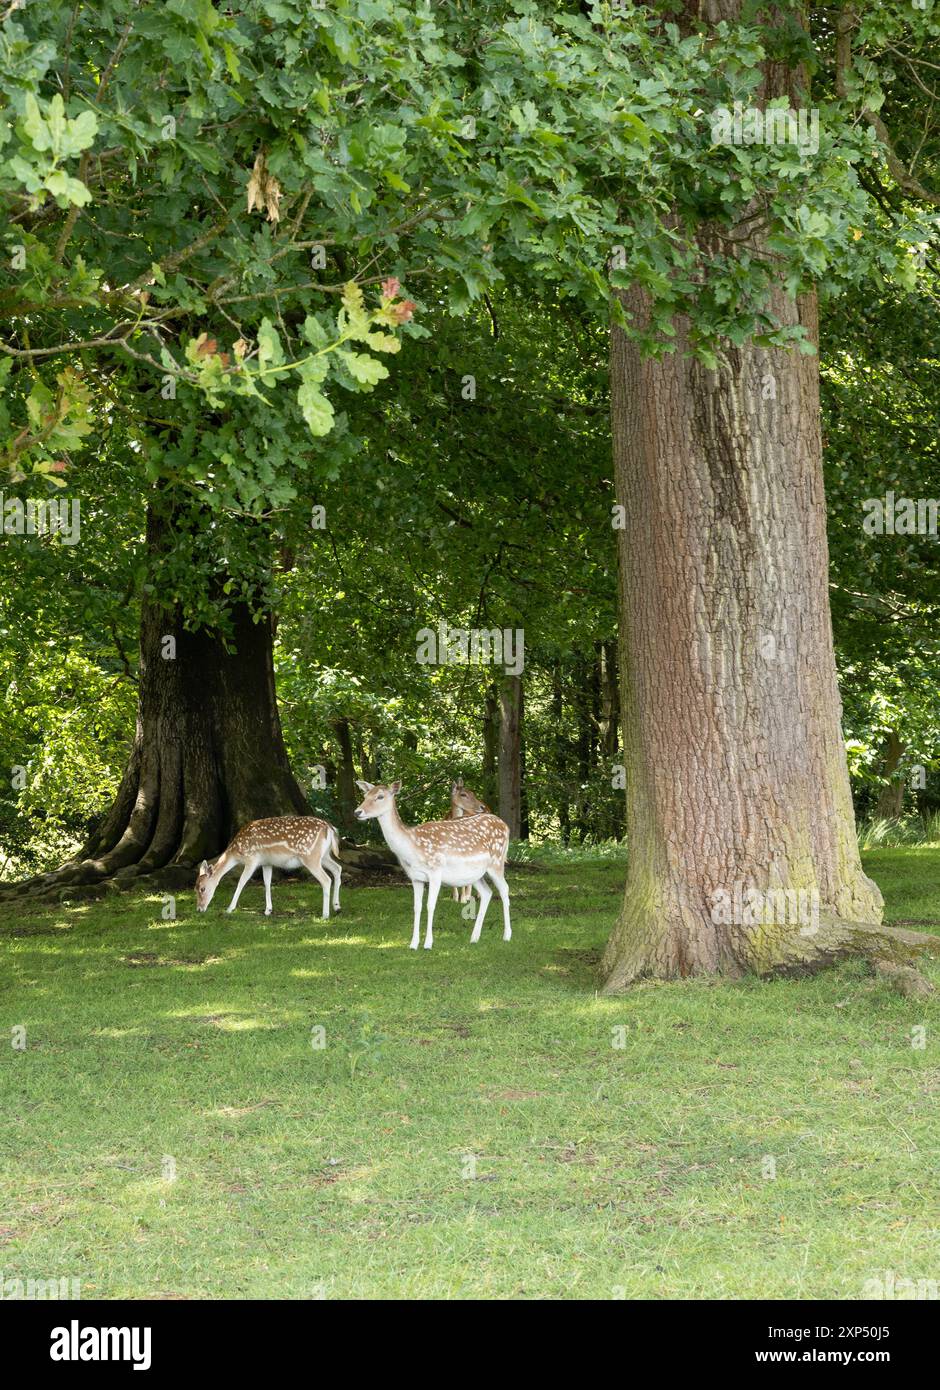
(345, 940)
(224, 1019)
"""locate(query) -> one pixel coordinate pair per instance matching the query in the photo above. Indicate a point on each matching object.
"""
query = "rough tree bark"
(736, 769)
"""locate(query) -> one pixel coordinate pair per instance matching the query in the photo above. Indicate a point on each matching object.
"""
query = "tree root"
(774, 951)
(804, 951)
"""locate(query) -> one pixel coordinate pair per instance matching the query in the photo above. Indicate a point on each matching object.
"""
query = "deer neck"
(397, 835)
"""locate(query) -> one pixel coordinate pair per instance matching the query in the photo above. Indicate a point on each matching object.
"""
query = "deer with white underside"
(283, 842)
(464, 802)
(454, 853)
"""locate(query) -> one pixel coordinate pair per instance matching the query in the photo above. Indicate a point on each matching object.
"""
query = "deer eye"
(381, 796)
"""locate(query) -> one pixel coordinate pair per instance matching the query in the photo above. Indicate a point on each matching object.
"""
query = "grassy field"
(477, 1122)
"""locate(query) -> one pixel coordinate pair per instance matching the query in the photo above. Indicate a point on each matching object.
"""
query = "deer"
(284, 842)
(464, 802)
(452, 852)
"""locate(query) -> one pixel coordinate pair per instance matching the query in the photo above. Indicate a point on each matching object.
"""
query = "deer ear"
(364, 786)
(204, 867)
(459, 784)
(395, 788)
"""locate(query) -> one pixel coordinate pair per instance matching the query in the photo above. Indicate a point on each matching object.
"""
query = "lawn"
(247, 1107)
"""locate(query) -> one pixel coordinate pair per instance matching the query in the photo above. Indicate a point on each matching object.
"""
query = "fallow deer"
(464, 802)
(283, 842)
(451, 852)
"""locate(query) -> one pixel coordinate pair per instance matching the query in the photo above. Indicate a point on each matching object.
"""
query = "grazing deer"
(451, 852)
(285, 842)
(464, 802)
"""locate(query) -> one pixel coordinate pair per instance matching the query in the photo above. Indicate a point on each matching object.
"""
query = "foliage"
(251, 254)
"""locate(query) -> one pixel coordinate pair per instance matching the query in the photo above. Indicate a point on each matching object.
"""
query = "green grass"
(469, 1129)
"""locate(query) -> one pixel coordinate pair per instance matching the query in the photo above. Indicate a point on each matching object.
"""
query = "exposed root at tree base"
(809, 949)
(781, 952)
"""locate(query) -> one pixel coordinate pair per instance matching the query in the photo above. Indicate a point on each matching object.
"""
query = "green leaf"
(65, 189)
(363, 368)
(34, 125)
(314, 332)
(270, 352)
(317, 410)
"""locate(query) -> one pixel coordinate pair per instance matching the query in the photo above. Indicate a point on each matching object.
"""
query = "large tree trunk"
(510, 753)
(208, 755)
(741, 831)
(736, 770)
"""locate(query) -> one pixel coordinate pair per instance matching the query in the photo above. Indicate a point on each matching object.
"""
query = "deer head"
(464, 802)
(205, 887)
(377, 801)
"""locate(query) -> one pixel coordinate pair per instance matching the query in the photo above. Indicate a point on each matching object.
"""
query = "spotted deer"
(283, 842)
(454, 853)
(464, 802)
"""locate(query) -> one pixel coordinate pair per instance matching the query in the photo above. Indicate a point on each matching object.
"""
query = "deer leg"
(502, 888)
(247, 871)
(485, 892)
(333, 868)
(434, 887)
(266, 872)
(314, 865)
(418, 887)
